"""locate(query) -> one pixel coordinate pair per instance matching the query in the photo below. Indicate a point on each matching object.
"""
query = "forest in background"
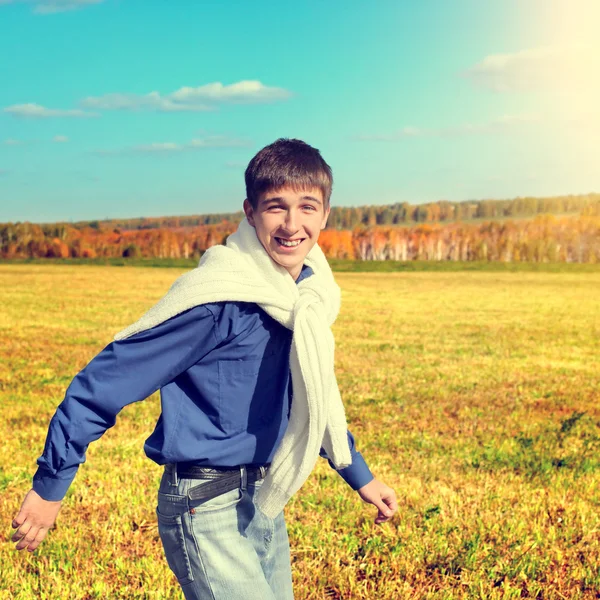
(555, 229)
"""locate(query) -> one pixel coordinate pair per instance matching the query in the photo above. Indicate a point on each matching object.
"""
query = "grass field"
(474, 394)
(339, 265)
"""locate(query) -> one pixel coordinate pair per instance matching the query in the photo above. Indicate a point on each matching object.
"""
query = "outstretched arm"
(124, 372)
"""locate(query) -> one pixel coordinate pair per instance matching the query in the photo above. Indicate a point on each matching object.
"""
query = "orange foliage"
(542, 239)
(337, 244)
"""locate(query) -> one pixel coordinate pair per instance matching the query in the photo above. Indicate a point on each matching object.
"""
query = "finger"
(21, 532)
(383, 509)
(391, 502)
(389, 497)
(28, 539)
(41, 534)
(20, 518)
(385, 516)
(381, 518)
(18, 521)
(385, 513)
(23, 511)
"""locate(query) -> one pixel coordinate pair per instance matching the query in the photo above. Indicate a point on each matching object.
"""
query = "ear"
(325, 217)
(249, 211)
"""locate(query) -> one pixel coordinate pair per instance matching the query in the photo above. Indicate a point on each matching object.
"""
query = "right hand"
(35, 518)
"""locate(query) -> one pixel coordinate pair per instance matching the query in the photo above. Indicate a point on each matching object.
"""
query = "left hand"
(381, 496)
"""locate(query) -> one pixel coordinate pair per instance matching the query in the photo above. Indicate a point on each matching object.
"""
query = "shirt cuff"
(358, 473)
(50, 487)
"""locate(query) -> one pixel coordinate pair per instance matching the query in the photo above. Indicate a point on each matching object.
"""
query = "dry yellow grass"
(474, 395)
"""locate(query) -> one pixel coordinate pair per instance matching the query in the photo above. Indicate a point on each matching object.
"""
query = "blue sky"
(124, 108)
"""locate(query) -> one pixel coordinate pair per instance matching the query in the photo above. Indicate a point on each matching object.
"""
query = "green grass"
(392, 266)
(473, 394)
(338, 265)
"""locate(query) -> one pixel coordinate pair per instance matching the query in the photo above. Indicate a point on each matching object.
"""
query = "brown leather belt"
(217, 480)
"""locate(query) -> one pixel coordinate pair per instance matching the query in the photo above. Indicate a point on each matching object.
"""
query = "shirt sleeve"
(126, 371)
(358, 473)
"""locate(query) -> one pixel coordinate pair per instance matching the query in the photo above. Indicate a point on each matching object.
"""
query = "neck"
(295, 273)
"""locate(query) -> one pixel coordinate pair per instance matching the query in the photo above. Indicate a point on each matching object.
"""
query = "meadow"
(473, 394)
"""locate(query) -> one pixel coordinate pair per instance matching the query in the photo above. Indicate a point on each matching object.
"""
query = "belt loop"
(173, 479)
(244, 476)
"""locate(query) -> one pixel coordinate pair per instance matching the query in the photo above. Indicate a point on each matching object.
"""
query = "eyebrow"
(280, 199)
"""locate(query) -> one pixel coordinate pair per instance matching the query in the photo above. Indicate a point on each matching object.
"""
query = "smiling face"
(288, 223)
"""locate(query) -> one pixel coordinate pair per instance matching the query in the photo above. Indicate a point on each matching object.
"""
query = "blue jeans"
(223, 548)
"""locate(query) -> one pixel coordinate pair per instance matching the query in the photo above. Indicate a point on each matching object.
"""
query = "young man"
(242, 351)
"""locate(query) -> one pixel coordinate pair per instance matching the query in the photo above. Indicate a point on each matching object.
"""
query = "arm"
(124, 372)
(359, 477)
(358, 473)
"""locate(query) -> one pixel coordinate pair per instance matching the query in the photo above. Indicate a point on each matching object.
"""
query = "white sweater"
(242, 271)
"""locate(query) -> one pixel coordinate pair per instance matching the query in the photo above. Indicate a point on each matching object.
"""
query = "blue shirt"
(225, 386)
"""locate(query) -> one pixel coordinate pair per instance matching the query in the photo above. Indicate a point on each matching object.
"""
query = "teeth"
(288, 243)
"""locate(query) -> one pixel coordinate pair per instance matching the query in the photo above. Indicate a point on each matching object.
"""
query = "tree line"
(545, 238)
(402, 213)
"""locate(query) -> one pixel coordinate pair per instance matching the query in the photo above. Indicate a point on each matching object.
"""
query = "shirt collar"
(306, 272)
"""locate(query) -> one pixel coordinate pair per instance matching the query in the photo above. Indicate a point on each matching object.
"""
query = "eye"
(309, 207)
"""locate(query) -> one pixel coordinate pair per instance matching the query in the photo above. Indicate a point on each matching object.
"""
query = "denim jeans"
(223, 548)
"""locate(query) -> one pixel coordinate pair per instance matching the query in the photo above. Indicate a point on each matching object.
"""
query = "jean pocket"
(221, 502)
(172, 535)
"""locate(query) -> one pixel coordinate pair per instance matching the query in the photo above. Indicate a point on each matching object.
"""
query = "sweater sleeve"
(126, 371)
(358, 473)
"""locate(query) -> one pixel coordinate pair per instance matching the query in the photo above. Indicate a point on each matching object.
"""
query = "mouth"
(289, 243)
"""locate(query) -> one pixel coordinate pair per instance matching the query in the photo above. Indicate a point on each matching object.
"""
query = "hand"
(381, 496)
(33, 521)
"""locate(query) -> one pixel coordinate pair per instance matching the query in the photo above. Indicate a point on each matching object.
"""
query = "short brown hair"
(287, 163)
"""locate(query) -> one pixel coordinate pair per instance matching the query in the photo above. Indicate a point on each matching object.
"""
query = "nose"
(291, 221)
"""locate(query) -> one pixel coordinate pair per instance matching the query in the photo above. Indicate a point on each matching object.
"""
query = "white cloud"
(190, 99)
(55, 6)
(211, 141)
(45, 7)
(565, 68)
(242, 92)
(61, 139)
(219, 141)
(159, 147)
(134, 102)
(501, 124)
(411, 131)
(37, 111)
(517, 119)
(185, 99)
(11, 141)
(214, 141)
